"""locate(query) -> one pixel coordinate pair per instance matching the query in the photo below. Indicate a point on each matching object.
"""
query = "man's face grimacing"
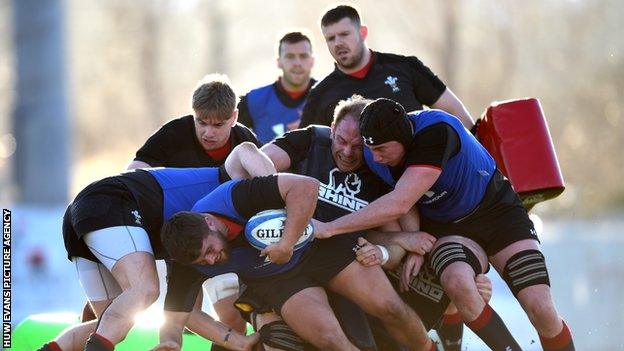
(390, 153)
(345, 42)
(296, 63)
(347, 145)
(215, 249)
(213, 132)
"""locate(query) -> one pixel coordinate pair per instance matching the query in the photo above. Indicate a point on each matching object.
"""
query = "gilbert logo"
(392, 82)
(368, 140)
(342, 191)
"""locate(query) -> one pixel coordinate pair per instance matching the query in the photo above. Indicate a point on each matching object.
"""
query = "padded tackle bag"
(516, 135)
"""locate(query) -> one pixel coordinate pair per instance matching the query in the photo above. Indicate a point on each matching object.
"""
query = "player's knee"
(390, 308)
(539, 307)
(458, 284)
(148, 293)
(454, 260)
(525, 269)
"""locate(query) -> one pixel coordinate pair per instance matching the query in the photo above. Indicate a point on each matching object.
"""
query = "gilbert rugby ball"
(266, 228)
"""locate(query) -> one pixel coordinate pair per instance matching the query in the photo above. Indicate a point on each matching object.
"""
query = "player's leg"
(308, 313)
(457, 261)
(355, 282)
(127, 253)
(100, 288)
(522, 266)
(451, 329)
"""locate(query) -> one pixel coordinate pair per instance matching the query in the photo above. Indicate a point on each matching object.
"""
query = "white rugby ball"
(267, 227)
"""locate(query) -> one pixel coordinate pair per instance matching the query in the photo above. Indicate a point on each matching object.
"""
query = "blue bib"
(464, 178)
(270, 117)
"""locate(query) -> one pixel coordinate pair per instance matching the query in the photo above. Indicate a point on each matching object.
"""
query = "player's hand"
(278, 253)
(167, 346)
(411, 267)
(417, 242)
(484, 286)
(321, 229)
(367, 254)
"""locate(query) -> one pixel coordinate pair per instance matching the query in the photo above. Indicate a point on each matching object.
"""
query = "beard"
(354, 60)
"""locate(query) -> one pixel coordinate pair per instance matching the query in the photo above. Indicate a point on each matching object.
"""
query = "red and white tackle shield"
(516, 135)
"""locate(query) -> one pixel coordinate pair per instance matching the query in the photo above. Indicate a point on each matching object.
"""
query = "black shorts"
(103, 204)
(499, 221)
(327, 258)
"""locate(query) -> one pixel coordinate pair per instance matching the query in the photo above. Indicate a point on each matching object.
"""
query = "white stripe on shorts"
(109, 245)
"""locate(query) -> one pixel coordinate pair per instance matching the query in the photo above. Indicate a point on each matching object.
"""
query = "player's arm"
(433, 147)
(300, 194)
(171, 331)
(414, 182)
(399, 238)
(246, 161)
(289, 148)
(280, 158)
(450, 103)
(202, 324)
(154, 152)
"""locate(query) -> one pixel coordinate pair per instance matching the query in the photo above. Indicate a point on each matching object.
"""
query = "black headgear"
(385, 120)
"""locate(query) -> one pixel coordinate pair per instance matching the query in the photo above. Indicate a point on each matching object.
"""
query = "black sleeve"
(296, 143)
(427, 86)
(241, 133)
(183, 285)
(244, 116)
(311, 110)
(251, 196)
(433, 146)
(154, 151)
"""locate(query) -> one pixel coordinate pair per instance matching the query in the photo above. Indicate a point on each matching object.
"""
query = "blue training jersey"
(244, 260)
(464, 178)
(182, 187)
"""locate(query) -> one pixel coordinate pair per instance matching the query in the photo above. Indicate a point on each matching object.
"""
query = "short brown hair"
(292, 38)
(336, 14)
(214, 98)
(351, 107)
(183, 234)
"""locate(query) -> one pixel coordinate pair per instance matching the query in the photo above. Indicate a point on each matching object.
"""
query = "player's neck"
(291, 88)
(293, 91)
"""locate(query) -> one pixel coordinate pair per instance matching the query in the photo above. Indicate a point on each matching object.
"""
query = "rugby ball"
(266, 228)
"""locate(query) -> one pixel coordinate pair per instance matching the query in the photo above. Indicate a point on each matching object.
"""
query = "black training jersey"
(175, 145)
(340, 193)
(404, 79)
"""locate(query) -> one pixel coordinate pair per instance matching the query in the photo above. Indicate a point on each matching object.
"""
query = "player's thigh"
(98, 283)
(127, 253)
(368, 287)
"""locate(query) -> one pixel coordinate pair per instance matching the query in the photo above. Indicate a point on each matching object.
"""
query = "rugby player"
(276, 108)
(111, 233)
(434, 162)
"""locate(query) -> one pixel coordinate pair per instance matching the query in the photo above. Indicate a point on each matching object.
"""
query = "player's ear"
(333, 129)
(363, 32)
(210, 223)
(235, 115)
